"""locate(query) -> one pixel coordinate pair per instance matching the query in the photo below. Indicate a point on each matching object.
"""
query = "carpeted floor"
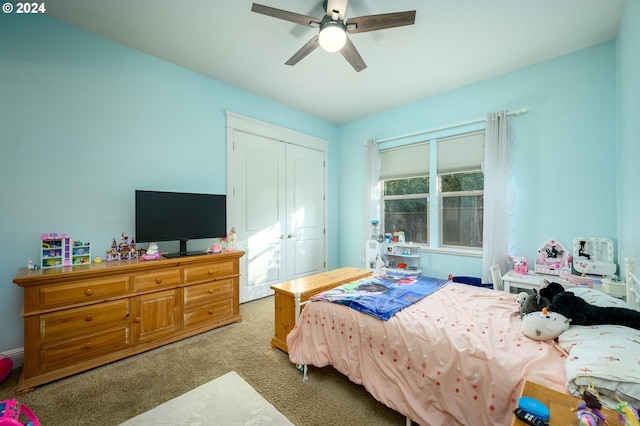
(114, 393)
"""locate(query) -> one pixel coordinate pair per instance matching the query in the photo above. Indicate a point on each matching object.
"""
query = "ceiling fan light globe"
(332, 37)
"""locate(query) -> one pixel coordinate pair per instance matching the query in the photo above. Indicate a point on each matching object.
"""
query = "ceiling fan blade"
(351, 54)
(380, 22)
(296, 18)
(309, 47)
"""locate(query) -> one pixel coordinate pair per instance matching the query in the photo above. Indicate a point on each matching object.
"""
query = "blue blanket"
(382, 295)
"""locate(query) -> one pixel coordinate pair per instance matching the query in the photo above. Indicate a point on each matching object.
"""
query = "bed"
(458, 356)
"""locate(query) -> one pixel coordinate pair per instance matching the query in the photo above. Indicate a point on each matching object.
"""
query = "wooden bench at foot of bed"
(290, 294)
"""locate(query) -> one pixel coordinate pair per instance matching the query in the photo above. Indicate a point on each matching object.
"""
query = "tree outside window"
(406, 207)
(462, 209)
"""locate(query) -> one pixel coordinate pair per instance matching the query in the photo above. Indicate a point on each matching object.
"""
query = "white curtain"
(498, 194)
(372, 192)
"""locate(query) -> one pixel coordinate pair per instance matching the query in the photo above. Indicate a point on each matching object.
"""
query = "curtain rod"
(451, 126)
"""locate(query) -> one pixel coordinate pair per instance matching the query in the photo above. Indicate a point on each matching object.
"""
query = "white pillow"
(597, 297)
(607, 356)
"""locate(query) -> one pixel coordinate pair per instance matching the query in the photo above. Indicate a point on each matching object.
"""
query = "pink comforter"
(456, 357)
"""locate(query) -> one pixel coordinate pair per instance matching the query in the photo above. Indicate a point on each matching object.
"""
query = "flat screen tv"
(179, 216)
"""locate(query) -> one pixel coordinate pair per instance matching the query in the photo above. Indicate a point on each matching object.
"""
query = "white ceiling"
(453, 43)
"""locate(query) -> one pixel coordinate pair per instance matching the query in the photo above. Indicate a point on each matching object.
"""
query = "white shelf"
(395, 253)
(405, 271)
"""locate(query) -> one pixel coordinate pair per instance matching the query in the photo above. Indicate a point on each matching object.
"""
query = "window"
(406, 207)
(462, 209)
(458, 210)
(404, 172)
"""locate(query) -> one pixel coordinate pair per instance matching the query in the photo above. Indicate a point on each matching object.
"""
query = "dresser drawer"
(74, 322)
(70, 351)
(209, 272)
(156, 279)
(208, 292)
(83, 291)
(217, 311)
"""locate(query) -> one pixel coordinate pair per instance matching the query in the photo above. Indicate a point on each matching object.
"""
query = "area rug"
(227, 400)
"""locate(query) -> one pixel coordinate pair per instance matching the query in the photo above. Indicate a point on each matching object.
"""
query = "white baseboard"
(16, 355)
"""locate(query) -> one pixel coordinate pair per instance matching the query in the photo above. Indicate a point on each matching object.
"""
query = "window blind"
(405, 161)
(461, 153)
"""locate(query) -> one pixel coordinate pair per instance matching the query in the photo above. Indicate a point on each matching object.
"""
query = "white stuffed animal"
(544, 325)
(153, 249)
(522, 296)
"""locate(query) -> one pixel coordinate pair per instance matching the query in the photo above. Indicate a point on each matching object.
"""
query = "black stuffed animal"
(550, 290)
(580, 312)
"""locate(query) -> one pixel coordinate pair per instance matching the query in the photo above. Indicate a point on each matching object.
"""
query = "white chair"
(496, 277)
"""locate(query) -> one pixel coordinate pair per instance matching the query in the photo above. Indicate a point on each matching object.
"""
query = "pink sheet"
(456, 357)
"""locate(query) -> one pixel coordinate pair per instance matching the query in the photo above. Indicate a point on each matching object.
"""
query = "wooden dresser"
(77, 318)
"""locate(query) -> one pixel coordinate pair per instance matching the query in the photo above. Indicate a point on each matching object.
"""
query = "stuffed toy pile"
(535, 301)
(544, 321)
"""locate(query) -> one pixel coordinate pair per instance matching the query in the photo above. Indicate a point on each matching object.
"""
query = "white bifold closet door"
(278, 210)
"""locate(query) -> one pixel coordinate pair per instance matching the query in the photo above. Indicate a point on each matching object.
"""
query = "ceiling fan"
(334, 28)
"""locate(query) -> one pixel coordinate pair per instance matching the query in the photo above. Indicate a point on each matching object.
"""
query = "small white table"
(533, 280)
(528, 281)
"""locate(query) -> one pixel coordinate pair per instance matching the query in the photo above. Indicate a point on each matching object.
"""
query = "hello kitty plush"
(519, 264)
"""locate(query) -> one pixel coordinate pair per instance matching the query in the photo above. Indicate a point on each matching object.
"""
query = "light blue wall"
(85, 121)
(564, 156)
(628, 170)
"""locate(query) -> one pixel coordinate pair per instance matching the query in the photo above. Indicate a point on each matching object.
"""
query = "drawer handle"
(210, 311)
(88, 345)
(137, 319)
(211, 291)
(158, 280)
(88, 292)
(88, 318)
(210, 271)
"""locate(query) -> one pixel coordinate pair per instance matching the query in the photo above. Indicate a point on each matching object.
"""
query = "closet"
(276, 199)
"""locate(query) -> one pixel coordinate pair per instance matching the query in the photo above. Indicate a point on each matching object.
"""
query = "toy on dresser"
(588, 410)
(553, 259)
(519, 264)
(628, 414)
(594, 256)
